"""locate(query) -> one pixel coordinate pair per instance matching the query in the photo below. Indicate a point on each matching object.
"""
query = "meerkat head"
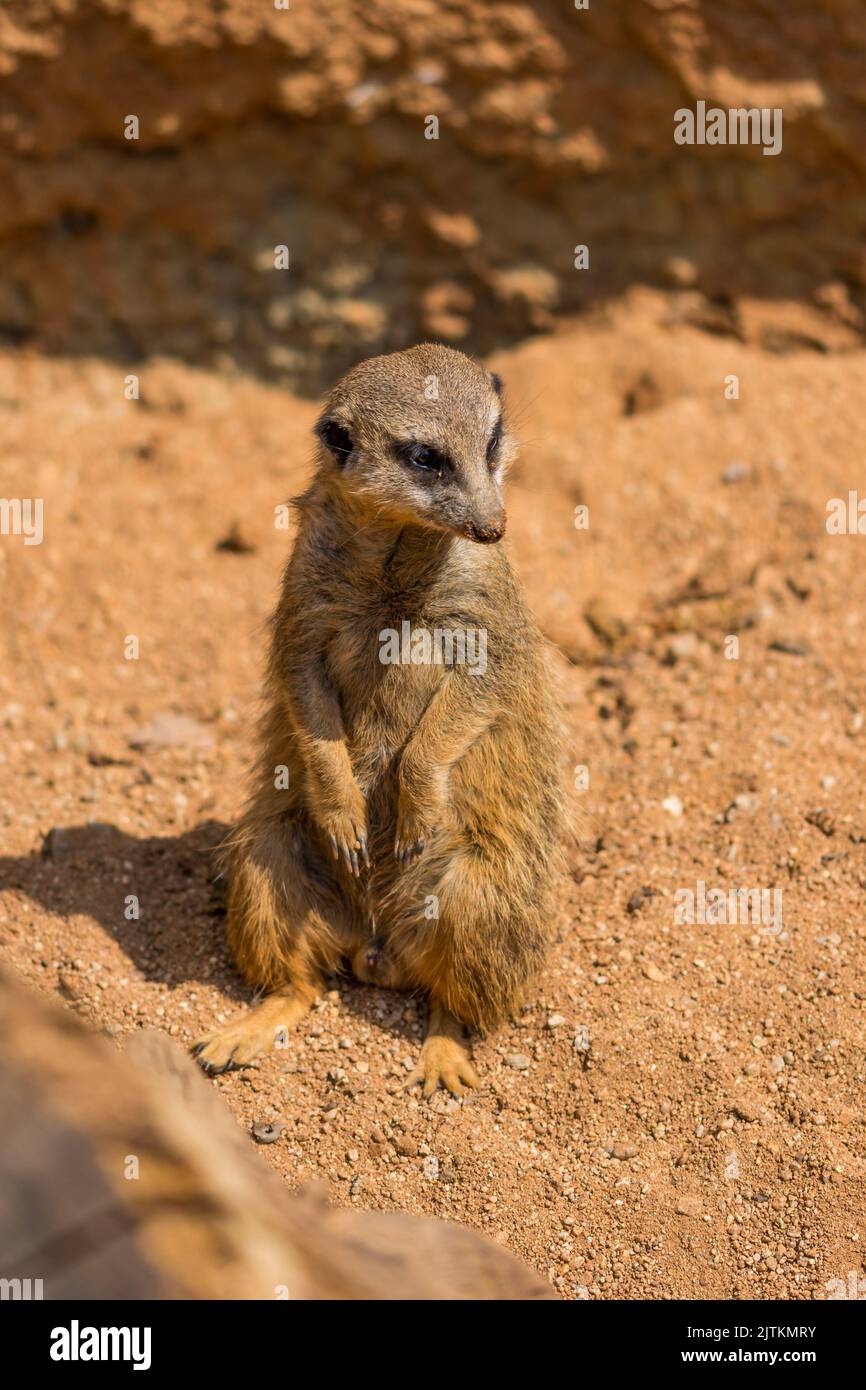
(419, 438)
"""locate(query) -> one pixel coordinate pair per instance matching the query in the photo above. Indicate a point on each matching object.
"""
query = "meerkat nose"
(486, 532)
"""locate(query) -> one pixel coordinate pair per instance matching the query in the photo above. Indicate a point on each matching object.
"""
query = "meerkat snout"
(420, 437)
(487, 533)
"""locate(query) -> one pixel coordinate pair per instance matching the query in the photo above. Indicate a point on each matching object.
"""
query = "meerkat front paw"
(415, 826)
(410, 840)
(344, 826)
(340, 812)
(445, 1062)
(346, 833)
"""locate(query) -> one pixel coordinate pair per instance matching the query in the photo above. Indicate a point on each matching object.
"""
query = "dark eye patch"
(424, 458)
(494, 441)
(336, 438)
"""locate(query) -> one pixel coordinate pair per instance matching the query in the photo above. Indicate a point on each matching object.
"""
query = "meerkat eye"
(494, 441)
(337, 439)
(423, 456)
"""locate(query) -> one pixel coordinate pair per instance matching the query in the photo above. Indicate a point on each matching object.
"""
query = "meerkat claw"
(350, 854)
(405, 853)
(443, 1063)
(213, 1068)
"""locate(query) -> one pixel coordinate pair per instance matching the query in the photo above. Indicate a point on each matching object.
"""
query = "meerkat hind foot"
(444, 1062)
(444, 1059)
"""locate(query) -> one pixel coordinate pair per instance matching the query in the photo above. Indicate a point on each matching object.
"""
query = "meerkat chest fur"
(394, 615)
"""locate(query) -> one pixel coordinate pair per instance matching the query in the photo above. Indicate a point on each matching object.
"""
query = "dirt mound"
(306, 128)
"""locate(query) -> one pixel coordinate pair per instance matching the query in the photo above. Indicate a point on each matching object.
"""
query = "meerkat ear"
(496, 381)
(336, 438)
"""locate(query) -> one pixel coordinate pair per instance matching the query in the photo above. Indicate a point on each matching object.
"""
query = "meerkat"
(406, 810)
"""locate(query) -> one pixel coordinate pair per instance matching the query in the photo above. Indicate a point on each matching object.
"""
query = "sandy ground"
(678, 1112)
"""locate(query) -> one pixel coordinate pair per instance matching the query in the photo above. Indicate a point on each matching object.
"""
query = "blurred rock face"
(125, 1177)
(430, 169)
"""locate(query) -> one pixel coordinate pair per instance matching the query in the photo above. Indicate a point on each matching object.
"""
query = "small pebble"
(652, 972)
(689, 1206)
(268, 1133)
(736, 473)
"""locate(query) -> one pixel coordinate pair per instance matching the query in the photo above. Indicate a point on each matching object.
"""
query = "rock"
(637, 900)
(683, 646)
(454, 228)
(530, 284)
(71, 987)
(680, 272)
(644, 394)
(823, 819)
(652, 972)
(97, 759)
(736, 473)
(265, 1133)
(234, 542)
(689, 1206)
(606, 624)
(83, 842)
(364, 318)
(556, 1020)
(624, 1151)
(512, 89)
(445, 309)
(431, 1168)
(743, 802)
(673, 805)
(170, 730)
(518, 1061)
(788, 647)
(746, 1110)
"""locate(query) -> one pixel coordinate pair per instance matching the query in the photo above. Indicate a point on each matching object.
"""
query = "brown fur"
(407, 783)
